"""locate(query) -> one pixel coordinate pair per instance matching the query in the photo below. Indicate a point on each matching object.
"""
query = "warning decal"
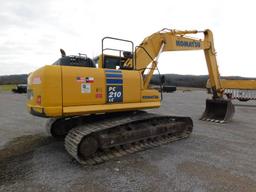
(85, 88)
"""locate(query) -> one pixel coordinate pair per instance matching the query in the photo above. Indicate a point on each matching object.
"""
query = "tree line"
(170, 79)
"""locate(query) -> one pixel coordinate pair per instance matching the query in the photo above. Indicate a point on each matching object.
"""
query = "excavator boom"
(171, 40)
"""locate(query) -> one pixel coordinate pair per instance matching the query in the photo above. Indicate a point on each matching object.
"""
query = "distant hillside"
(189, 80)
(13, 79)
(170, 79)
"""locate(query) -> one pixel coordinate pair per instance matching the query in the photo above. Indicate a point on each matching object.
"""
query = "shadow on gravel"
(14, 158)
(24, 144)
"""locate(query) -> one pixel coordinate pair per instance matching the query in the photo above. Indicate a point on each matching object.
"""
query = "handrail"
(117, 39)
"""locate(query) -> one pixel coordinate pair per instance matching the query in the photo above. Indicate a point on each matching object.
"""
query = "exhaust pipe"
(218, 110)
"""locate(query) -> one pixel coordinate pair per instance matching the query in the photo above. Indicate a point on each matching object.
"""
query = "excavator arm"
(149, 50)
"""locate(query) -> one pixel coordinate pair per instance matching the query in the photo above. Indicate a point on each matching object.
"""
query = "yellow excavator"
(96, 103)
(242, 90)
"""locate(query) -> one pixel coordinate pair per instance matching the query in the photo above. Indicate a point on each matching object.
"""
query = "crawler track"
(159, 129)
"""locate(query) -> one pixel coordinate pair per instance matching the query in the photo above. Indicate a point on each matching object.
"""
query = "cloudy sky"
(31, 32)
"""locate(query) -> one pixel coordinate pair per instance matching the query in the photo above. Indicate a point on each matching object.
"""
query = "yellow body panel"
(150, 95)
(73, 92)
(69, 90)
(46, 83)
(132, 86)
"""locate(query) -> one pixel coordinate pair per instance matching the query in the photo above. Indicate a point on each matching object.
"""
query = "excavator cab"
(115, 58)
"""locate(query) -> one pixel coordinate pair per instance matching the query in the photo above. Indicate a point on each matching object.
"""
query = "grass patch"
(6, 88)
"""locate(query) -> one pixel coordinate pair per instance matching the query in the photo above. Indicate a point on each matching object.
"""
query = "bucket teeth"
(218, 111)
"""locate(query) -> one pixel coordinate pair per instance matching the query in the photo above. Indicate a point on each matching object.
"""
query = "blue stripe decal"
(114, 81)
(112, 71)
(114, 75)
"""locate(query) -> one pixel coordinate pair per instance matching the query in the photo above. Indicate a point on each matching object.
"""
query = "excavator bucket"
(218, 110)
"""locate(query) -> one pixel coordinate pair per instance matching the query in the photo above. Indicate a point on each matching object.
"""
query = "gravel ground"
(217, 157)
